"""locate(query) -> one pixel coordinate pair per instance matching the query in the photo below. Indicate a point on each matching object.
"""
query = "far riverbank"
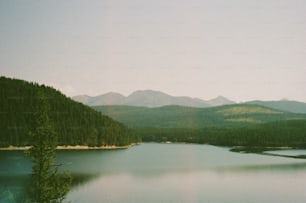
(69, 147)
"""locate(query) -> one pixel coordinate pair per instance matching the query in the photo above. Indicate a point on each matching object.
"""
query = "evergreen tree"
(47, 184)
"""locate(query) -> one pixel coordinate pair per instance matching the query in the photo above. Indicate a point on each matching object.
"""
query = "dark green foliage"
(74, 123)
(291, 133)
(47, 185)
(189, 117)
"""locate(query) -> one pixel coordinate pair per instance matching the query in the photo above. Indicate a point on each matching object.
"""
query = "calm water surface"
(171, 173)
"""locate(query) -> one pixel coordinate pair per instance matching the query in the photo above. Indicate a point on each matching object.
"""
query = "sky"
(241, 49)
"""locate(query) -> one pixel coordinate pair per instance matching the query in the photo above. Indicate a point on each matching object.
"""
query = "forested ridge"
(288, 133)
(229, 125)
(74, 123)
(236, 115)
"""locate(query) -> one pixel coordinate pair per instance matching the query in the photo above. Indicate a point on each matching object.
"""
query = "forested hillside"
(230, 125)
(288, 133)
(75, 124)
(235, 115)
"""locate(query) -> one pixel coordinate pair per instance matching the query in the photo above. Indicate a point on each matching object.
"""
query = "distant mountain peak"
(112, 94)
(151, 98)
(220, 97)
(147, 92)
(219, 101)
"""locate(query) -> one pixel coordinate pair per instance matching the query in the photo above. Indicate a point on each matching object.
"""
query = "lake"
(168, 173)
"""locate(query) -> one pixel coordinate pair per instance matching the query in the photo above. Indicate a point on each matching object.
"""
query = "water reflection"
(167, 173)
(239, 184)
(193, 186)
(13, 188)
(82, 179)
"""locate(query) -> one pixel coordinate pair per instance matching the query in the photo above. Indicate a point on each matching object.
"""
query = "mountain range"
(149, 98)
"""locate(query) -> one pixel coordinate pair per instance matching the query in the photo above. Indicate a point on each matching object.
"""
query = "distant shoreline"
(69, 147)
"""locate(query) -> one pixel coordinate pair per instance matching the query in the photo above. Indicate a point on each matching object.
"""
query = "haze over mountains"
(149, 98)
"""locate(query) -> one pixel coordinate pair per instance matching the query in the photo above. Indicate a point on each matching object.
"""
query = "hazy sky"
(241, 49)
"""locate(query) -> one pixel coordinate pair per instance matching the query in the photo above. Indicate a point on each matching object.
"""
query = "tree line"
(291, 133)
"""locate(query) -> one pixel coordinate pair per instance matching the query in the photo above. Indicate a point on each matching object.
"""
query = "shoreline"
(268, 151)
(70, 147)
(259, 149)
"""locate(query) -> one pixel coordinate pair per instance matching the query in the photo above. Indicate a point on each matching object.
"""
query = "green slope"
(187, 117)
(284, 105)
(75, 123)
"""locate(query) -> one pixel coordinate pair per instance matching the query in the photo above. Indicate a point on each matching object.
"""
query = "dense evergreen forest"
(74, 123)
(229, 125)
(290, 133)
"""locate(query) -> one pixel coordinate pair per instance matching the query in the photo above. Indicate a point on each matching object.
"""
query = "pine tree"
(47, 184)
